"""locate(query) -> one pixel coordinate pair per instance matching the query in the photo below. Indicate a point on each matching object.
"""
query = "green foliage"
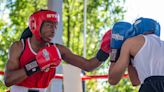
(101, 14)
(12, 27)
(123, 86)
(13, 20)
(2, 87)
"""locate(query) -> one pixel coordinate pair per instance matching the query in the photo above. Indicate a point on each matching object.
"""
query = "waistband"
(16, 88)
(154, 78)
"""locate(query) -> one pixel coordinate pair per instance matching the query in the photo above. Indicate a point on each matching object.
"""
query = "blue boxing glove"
(120, 32)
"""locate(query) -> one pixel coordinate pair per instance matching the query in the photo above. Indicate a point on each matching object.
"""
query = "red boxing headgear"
(37, 18)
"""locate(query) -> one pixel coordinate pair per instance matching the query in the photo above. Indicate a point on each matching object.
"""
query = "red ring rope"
(85, 77)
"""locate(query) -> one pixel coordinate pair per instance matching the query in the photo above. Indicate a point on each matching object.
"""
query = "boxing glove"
(48, 56)
(104, 50)
(120, 32)
(31, 67)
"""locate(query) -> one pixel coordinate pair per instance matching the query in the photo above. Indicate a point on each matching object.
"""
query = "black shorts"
(153, 84)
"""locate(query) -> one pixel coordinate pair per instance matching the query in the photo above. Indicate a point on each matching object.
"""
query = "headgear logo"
(137, 22)
(46, 55)
(117, 37)
(52, 15)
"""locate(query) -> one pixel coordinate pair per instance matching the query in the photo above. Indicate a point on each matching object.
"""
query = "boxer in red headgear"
(36, 20)
(32, 61)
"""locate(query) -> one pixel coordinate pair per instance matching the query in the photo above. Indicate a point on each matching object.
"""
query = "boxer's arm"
(137, 43)
(117, 71)
(78, 61)
(12, 74)
(133, 75)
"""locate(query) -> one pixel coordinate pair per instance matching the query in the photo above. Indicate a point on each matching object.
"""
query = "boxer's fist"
(31, 67)
(104, 50)
(105, 43)
(48, 56)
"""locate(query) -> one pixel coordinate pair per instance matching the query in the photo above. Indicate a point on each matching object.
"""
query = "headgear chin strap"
(37, 18)
(146, 25)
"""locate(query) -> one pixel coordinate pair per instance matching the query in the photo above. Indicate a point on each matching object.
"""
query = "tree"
(11, 29)
(14, 16)
(100, 17)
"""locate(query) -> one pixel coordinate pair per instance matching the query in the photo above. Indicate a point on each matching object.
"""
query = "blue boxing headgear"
(146, 25)
(120, 32)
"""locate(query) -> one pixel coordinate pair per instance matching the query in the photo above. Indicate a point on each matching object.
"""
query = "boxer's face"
(48, 30)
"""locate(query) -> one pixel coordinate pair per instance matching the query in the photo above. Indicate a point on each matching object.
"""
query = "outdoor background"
(101, 14)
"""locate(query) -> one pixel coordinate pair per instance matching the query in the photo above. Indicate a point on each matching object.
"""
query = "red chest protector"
(38, 79)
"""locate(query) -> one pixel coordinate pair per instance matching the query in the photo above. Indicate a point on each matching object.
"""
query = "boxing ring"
(89, 77)
(68, 78)
(76, 83)
(84, 77)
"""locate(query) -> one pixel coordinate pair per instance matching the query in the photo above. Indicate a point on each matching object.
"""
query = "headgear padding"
(146, 25)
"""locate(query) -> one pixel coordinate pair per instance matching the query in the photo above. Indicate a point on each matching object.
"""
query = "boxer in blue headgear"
(146, 25)
(121, 31)
(148, 52)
